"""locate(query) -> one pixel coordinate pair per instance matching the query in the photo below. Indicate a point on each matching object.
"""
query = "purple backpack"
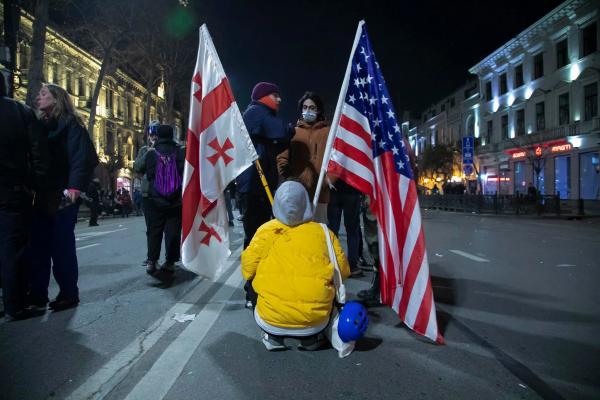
(167, 180)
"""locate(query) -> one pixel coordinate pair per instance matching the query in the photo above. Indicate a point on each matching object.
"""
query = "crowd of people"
(53, 170)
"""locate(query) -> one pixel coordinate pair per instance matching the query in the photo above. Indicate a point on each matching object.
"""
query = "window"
(540, 116)
(590, 44)
(562, 176)
(503, 84)
(519, 76)
(538, 66)
(562, 57)
(69, 80)
(505, 127)
(81, 87)
(23, 57)
(590, 101)
(55, 74)
(488, 90)
(520, 123)
(563, 109)
(451, 102)
(589, 178)
(490, 132)
(520, 178)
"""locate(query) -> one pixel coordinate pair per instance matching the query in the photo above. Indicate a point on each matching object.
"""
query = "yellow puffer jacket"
(292, 273)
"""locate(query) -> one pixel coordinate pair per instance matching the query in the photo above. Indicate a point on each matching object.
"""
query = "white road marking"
(470, 256)
(89, 235)
(566, 265)
(88, 246)
(164, 372)
(118, 367)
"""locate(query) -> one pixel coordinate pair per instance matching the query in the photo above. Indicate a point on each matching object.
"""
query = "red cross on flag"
(218, 149)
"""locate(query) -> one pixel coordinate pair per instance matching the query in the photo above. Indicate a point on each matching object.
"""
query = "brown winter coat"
(303, 158)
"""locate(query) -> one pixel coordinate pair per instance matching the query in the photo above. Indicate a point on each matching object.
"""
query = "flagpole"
(263, 179)
(336, 116)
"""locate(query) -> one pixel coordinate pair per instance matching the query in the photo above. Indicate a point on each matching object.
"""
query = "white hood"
(292, 205)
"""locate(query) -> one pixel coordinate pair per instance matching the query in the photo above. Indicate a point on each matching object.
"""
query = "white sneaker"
(273, 343)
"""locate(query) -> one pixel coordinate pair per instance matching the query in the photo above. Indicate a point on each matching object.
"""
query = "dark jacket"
(270, 136)
(72, 154)
(147, 165)
(24, 156)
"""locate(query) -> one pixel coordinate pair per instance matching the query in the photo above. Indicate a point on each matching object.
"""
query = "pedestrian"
(24, 165)
(137, 201)
(125, 202)
(163, 165)
(293, 246)
(140, 165)
(73, 159)
(270, 136)
(94, 201)
(344, 199)
(303, 158)
(371, 296)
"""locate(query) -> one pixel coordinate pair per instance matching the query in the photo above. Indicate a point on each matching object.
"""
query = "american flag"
(218, 149)
(370, 154)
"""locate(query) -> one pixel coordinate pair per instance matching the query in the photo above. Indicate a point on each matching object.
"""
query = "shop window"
(539, 180)
(563, 109)
(590, 101)
(562, 176)
(520, 177)
(490, 132)
(589, 176)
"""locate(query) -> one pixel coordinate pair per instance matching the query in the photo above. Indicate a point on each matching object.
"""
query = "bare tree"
(38, 44)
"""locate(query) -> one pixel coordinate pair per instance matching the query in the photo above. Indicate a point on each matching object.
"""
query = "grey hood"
(292, 205)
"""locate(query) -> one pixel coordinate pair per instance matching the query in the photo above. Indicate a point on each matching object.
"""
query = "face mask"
(309, 116)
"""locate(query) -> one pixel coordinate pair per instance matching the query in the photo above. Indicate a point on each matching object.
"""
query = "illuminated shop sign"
(519, 154)
(538, 151)
(493, 178)
(561, 147)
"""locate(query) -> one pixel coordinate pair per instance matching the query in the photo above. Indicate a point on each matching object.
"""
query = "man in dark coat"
(23, 168)
(270, 136)
(94, 196)
(163, 209)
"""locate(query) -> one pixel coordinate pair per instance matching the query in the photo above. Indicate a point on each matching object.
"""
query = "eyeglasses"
(309, 108)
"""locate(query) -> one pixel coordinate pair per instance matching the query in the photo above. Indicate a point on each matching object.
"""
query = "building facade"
(446, 123)
(538, 109)
(120, 120)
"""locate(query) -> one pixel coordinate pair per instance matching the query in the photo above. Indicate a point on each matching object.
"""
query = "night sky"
(425, 48)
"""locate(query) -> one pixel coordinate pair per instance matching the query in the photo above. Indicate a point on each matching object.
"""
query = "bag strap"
(340, 289)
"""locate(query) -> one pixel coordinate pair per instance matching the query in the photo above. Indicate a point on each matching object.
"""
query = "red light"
(538, 151)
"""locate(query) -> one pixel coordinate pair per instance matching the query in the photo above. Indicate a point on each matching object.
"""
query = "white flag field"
(218, 150)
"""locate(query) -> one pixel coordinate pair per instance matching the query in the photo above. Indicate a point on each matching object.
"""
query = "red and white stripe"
(405, 281)
(218, 149)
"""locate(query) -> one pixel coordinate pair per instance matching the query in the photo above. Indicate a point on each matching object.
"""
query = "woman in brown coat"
(303, 158)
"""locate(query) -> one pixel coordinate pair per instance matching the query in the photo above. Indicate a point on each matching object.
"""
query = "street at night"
(517, 301)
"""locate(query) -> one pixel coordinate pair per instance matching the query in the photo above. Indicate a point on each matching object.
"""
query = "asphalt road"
(517, 301)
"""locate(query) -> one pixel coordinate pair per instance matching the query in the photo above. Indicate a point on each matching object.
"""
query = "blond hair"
(63, 106)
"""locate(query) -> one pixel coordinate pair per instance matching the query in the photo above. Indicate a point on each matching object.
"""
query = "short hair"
(317, 100)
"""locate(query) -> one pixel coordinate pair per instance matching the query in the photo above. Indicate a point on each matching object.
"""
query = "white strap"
(340, 289)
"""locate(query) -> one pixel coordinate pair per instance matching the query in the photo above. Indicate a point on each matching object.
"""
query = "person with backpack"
(163, 165)
(73, 159)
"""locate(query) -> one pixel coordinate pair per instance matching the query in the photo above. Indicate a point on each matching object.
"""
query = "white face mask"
(309, 116)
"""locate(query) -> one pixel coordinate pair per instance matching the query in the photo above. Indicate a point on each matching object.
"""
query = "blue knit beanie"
(263, 89)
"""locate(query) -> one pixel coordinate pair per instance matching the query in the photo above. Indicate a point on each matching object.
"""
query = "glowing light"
(575, 141)
(511, 99)
(561, 147)
(575, 71)
(576, 116)
(528, 92)
(519, 154)
(496, 104)
(529, 130)
(476, 123)
(455, 178)
(512, 132)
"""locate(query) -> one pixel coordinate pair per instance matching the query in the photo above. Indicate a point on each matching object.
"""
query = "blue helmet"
(353, 321)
